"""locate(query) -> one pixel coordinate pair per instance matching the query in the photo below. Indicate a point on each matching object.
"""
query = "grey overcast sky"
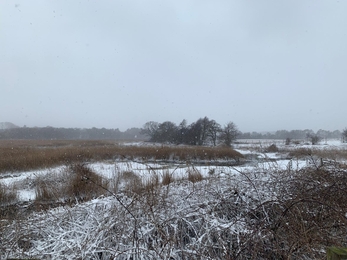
(265, 65)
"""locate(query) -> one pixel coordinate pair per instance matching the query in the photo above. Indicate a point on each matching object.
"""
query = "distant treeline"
(293, 134)
(70, 133)
(203, 131)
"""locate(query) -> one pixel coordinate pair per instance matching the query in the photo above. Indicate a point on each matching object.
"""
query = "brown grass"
(331, 154)
(194, 175)
(19, 155)
(8, 195)
(85, 184)
(167, 178)
(81, 184)
(44, 191)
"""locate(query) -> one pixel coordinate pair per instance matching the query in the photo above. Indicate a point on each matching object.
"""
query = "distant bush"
(296, 142)
(314, 139)
(272, 149)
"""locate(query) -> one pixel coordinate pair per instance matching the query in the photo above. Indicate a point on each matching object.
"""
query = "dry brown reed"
(85, 184)
(167, 178)
(194, 175)
(80, 184)
(19, 155)
(8, 195)
(331, 154)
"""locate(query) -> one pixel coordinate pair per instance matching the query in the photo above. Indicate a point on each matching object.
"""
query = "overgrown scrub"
(308, 214)
(256, 214)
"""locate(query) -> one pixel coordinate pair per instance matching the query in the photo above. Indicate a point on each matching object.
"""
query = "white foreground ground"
(123, 227)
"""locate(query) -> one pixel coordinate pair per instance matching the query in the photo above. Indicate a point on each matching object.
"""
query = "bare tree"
(198, 131)
(150, 129)
(228, 134)
(167, 132)
(213, 131)
(313, 138)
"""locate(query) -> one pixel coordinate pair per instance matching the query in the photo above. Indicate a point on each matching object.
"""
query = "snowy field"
(181, 220)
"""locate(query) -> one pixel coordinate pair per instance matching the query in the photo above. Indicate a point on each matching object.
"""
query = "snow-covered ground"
(22, 180)
(123, 227)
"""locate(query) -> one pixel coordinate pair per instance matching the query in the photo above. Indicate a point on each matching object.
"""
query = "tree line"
(201, 132)
(70, 133)
(293, 134)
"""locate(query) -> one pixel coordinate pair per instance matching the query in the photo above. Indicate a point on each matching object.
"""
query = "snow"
(266, 161)
(26, 195)
(104, 225)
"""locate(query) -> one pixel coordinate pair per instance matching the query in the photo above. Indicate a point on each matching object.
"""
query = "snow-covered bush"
(256, 214)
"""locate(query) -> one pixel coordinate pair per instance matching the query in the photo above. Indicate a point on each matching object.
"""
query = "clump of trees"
(313, 138)
(201, 132)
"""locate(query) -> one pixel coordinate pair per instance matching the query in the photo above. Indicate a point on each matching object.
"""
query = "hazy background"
(265, 65)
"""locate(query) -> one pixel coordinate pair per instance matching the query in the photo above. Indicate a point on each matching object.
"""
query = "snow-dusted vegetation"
(269, 204)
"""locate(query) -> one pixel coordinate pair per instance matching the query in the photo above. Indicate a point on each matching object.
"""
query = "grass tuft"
(194, 175)
(85, 184)
(167, 178)
(8, 195)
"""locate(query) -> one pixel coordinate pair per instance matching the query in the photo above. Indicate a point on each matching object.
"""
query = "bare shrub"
(313, 138)
(308, 215)
(272, 149)
(211, 171)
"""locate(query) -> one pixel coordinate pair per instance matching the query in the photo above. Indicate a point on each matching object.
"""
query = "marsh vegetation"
(102, 200)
